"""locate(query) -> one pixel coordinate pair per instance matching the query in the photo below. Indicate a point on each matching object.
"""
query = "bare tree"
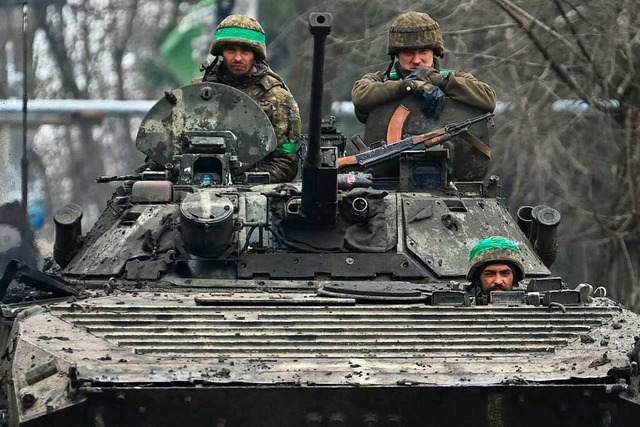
(89, 50)
(587, 160)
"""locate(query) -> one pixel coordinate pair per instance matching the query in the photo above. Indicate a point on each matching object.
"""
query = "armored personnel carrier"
(206, 296)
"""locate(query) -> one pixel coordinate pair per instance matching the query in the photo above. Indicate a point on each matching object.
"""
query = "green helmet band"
(240, 33)
(495, 250)
(493, 243)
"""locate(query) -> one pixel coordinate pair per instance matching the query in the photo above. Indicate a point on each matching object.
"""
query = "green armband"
(445, 73)
(287, 148)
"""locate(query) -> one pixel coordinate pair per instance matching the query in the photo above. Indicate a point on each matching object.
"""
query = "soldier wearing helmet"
(240, 41)
(495, 264)
(415, 48)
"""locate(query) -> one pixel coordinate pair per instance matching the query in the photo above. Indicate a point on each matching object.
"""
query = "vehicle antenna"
(24, 163)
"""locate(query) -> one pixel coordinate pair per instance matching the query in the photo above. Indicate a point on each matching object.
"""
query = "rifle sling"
(396, 124)
(479, 145)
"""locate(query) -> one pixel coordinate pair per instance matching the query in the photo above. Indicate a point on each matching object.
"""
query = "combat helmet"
(495, 250)
(415, 30)
(243, 30)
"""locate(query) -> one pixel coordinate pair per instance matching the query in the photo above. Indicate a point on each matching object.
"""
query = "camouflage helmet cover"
(240, 30)
(415, 30)
(495, 250)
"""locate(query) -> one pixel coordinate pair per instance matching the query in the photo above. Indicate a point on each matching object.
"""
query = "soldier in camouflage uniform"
(495, 264)
(415, 46)
(240, 40)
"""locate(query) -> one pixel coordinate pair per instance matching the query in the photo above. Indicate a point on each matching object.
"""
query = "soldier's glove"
(412, 77)
(424, 82)
(434, 101)
(426, 74)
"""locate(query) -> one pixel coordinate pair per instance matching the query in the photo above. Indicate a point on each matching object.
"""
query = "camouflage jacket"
(374, 89)
(270, 92)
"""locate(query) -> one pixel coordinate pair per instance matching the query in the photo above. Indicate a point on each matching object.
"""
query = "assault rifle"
(430, 139)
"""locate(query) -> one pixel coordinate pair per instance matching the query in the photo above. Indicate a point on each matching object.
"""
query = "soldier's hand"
(413, 76)
(434, 101)
(433, 97)
(426, 74)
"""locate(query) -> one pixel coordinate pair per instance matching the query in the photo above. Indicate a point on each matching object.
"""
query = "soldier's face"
(496, 277)
(239, 59)
(411, 59)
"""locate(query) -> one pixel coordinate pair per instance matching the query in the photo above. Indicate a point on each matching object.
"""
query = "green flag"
(181, 52)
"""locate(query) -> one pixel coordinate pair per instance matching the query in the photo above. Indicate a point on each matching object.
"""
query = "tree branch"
(530, 20)
(525, 22)
(583, 17)
(630, 172)
(479, 29)
(573, 31)
(58, 48)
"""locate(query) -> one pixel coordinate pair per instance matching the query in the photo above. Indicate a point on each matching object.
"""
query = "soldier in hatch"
(415, 47)
(240, 41)
(495, 264)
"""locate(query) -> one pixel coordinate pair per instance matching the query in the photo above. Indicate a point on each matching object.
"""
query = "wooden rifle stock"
(347, 161)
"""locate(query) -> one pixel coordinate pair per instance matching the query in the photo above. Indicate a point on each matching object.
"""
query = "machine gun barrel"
(430, 139)
(110, 178)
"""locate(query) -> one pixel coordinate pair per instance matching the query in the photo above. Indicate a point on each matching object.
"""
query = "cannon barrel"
(320, 170)
(320, 28)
